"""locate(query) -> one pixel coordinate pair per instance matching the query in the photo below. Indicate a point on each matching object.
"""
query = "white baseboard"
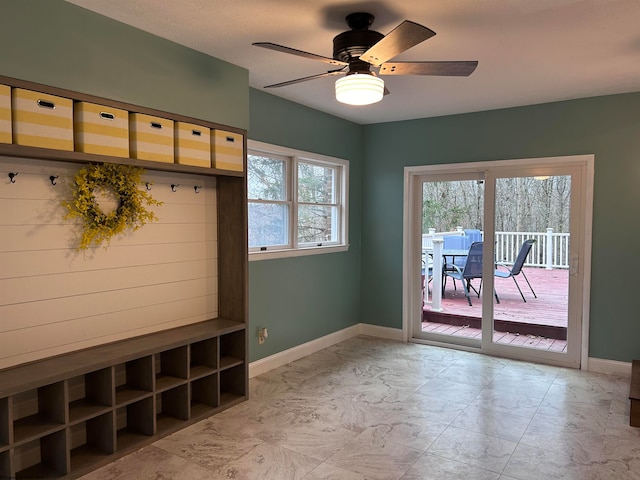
(597, 365)
(381, 332)
(610, 367)
(299, 351)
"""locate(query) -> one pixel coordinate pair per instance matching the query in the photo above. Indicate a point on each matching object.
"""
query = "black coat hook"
(12, 177)
(148, 185)
(197, 188)
(174, 186)
(52, 178)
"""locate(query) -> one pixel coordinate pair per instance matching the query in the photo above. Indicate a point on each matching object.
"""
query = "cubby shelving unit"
(67, 415)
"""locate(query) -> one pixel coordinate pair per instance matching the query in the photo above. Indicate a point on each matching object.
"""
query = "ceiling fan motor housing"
(350, 45)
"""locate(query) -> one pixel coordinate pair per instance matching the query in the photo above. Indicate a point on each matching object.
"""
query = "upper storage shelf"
(189, 145)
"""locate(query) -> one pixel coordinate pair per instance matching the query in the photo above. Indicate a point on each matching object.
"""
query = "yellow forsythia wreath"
(131, 213)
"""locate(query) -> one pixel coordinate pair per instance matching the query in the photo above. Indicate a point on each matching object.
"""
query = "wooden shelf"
(67, 415)
(81, 410)
(32, 375)
(39, 470)
(228, 362)
(87, 417)
(83, 457)
(166, 382)
(33, 427)
(21, 151)
(129, 438)
(126, 395)
(166, 424)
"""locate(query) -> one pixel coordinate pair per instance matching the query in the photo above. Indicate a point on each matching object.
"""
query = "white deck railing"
(551, 249)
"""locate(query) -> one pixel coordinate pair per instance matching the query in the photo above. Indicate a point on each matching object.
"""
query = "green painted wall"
(300, 299)
(608, 127)
(59, 44)
(304, 298)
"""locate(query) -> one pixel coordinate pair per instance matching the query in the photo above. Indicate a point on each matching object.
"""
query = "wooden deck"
(539, 322)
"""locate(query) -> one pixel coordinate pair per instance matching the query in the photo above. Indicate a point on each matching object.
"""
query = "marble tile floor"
(376, 409)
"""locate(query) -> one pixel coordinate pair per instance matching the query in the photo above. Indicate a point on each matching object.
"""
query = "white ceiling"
(529, 51)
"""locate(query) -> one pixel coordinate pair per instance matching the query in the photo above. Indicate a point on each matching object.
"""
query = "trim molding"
(596, 365)
(299, 351)
(609, 367)
(381, 332)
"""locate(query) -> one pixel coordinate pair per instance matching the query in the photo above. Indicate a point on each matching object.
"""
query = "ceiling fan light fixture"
(359, 89)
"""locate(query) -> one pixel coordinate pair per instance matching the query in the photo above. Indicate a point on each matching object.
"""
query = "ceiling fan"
(364, 54)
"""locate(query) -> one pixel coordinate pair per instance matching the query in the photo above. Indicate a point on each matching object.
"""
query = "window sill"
(299, 252)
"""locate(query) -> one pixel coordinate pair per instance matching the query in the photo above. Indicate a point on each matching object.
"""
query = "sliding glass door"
(452, 219)
(536, 239)
(498, 255)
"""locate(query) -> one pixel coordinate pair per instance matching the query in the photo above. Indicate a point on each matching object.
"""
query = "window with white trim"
(297, 202)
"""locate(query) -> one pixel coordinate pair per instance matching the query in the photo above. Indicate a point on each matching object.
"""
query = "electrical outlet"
(262, 335)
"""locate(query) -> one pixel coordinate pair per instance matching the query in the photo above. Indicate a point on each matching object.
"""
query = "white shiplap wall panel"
(54, 299)
(29, 211)
(31, 289)
(45, 262)
(26, 315)
(30, 237)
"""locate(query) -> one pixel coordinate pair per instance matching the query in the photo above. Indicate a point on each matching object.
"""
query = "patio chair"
(472, 269)
(516, 269)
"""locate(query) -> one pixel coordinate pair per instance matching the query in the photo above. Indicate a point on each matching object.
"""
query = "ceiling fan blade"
(453, 69)
(406, 35)
(305, 79)
(299, 53)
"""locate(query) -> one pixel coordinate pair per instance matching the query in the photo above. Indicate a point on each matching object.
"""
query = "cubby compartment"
(133, 380)
(172, 408)
(134, 423)
(171, 368)
(232, 349)
(38, 412)
(44, 457)
(90, 394)
(91, 441)
(204, 395)
(5, 464)
(232, 384)
(4, 423)
(203, 358)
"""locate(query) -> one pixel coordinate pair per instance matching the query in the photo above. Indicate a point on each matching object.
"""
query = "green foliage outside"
(523, 204)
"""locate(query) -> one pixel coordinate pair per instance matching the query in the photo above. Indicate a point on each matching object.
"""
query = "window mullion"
(294, 201)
